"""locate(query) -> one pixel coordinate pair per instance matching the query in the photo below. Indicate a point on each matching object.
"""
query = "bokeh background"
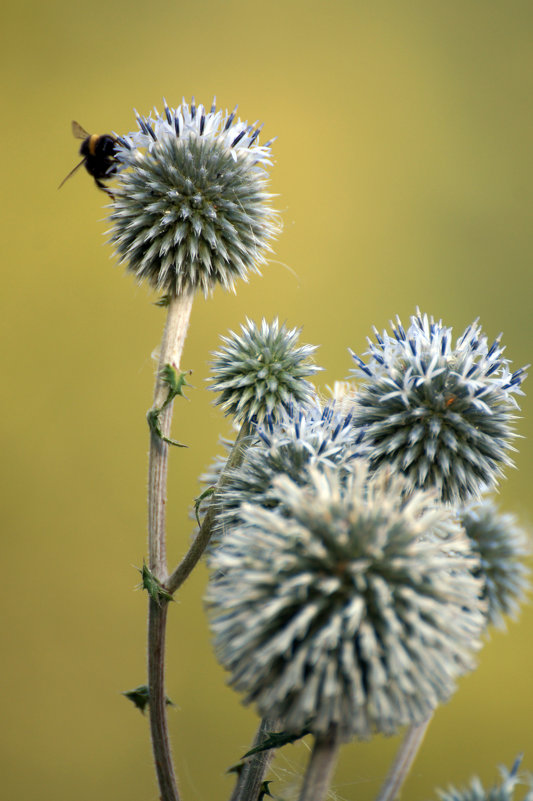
(404, 174)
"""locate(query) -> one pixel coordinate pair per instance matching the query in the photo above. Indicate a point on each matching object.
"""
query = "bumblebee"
(98, 153)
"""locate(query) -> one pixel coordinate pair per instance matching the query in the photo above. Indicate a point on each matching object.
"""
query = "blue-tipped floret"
(299, 440)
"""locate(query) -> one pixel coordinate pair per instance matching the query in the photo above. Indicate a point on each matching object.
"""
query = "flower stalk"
(157, 620)
(178, 316)
(405, 757)
(179, 311)
(320, 768)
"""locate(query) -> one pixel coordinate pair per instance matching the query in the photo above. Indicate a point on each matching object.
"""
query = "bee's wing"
(78, 131)
(71, 173)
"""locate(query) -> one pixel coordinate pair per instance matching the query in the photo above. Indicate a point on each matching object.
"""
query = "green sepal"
(153, 586)
(198, 502)
(140, 697)
(276, 739)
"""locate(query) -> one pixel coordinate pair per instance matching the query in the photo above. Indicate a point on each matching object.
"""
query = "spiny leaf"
(175, 382)
(275, 739)
(153, 421)
(140, 697)
(265, 791)
(153, 586)
(236, 768)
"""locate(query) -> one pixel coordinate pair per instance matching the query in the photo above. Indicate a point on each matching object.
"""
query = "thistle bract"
(441, 414)
(504, 791)
(502, 547)
(262, 371)
(355, 608)
(191, 208)
(317, 436)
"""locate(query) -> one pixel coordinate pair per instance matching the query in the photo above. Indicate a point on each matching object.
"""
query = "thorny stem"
(404, 759)
(200, 542)
(179, 311)
(253, 772)
(320, 767)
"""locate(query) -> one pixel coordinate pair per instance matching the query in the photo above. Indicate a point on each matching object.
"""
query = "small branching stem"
(203, 536)
(320, 768)
(405, 757)
(179, 311)
(251, 778)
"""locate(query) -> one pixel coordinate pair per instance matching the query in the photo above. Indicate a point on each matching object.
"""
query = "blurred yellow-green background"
(404, 174)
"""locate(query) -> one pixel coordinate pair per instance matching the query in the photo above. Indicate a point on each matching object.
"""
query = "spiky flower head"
(314, 437)
(191, 209)
(356, 608)
(502, 546)
(504, 791)
(441, 414)
(262, 371)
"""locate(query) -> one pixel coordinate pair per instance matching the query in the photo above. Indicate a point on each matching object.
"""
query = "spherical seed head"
(191, 209)
(502, 547)
(356, 608)
(441, 415)
(302, 438)
(262, 371)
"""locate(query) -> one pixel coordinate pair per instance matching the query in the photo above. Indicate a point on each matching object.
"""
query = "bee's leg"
(104, 188)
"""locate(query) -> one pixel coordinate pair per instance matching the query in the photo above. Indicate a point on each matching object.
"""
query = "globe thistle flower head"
(355, 608)
(301, 439)
(504, 791)
(262, 371)
(441, 414)
(191, 209)
(502, 547)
